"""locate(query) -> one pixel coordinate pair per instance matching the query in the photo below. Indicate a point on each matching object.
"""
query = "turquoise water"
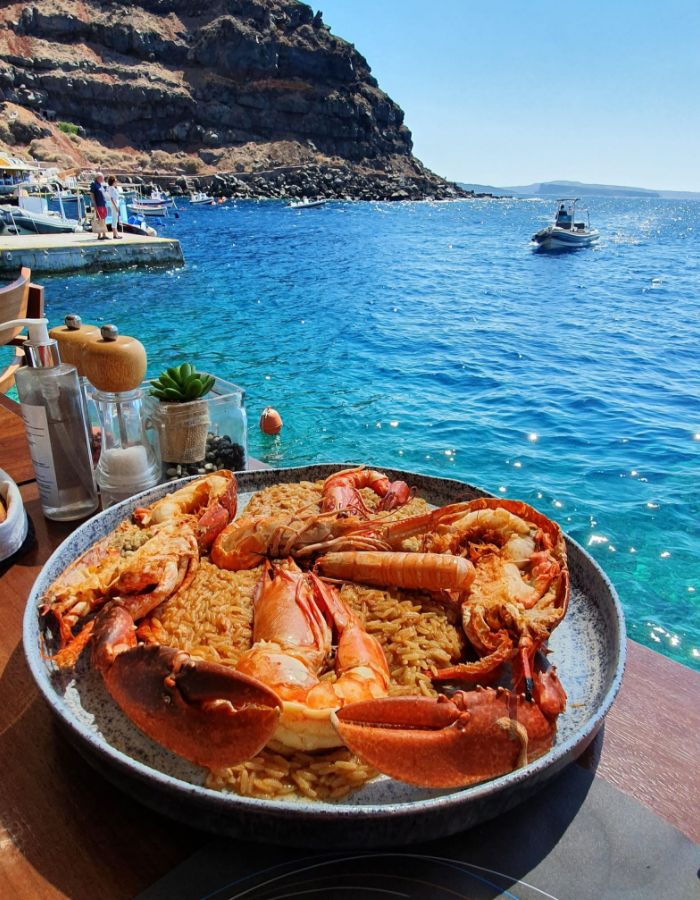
(429, 337)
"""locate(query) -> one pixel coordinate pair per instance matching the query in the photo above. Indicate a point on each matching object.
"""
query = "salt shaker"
(116, 364)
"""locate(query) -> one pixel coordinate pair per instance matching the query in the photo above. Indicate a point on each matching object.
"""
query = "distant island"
(556, 189)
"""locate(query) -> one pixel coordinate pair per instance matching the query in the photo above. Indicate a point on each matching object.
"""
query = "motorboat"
(200, 198)
(16, 220)
(157, 198)
(306, 204)
(566, 233)
(67, 203)
(148, 209)
(137, 225)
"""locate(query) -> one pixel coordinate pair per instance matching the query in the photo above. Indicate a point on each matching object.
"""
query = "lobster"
(513, 590)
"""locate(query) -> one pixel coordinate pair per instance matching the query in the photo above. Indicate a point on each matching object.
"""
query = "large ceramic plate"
(587, 647)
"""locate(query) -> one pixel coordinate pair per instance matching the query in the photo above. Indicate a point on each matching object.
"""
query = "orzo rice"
(212, 619)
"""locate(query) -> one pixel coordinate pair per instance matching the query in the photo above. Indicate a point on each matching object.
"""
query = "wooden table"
(65, 831)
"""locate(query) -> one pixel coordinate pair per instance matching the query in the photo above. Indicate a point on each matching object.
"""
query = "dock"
(81, 251)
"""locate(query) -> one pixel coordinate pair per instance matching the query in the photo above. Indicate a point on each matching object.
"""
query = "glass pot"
(202, 435)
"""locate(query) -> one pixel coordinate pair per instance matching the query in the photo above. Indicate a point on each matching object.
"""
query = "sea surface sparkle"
(428, 336)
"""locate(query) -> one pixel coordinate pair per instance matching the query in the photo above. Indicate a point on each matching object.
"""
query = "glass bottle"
(72, 337)
(54, 416)
(128, 460)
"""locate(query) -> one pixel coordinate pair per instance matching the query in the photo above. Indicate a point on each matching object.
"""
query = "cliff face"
(210, 84)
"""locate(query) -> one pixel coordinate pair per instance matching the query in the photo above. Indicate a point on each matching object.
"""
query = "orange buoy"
(270, 421)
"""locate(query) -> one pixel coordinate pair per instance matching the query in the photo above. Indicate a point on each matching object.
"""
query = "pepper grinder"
(71, 337)
(116, 365)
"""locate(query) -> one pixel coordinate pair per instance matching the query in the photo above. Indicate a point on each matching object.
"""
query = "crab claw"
(210, 714)
(446, 742)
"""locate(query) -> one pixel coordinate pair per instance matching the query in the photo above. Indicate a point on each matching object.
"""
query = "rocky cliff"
(200, 87)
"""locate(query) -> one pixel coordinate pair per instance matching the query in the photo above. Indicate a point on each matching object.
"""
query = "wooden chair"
(18, 300)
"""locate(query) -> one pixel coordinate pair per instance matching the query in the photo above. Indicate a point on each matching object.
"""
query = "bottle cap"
(113, 362)
(40, 350)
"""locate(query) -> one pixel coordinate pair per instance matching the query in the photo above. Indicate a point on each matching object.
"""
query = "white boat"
(137, 225)
(148, 209)
(306, 204)
(156, 198)
(566, 233)
(15, 220)
(199, 198)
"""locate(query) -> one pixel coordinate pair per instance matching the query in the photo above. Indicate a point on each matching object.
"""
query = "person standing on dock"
(99, 202)
(115, 199)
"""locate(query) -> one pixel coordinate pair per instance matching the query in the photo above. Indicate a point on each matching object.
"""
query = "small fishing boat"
(137, 225)
(200, 198)
(566, 233)
(306, 204)
(157, 198)
(67, 203)
(15, 220)
(147, 209)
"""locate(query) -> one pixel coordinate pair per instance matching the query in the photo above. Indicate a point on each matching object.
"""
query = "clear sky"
(509, 92)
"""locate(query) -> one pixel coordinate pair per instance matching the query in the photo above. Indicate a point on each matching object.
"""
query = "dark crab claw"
(210, 714)
(446, 742)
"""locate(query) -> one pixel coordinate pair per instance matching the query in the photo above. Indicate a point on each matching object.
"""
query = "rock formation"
(200, 87)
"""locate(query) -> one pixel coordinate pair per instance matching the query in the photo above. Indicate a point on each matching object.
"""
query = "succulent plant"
(181, 384)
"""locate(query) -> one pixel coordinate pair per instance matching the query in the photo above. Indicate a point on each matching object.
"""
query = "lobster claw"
(446, 742)
(210, 714)
(218, 514)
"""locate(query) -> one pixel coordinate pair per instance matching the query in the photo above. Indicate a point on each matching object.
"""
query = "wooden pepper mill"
(72, 337)
(112, 362)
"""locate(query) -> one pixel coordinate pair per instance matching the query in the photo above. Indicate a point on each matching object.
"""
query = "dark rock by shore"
(245, 97)
(316, 182)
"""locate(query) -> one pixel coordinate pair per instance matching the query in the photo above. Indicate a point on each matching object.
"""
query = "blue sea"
(429, 336)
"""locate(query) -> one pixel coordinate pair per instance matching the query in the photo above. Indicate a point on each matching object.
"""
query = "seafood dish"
(331, 632)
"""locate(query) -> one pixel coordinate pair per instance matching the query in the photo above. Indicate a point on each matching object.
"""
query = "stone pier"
(81, 251)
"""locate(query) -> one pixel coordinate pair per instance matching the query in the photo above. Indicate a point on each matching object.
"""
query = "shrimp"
(341, 491)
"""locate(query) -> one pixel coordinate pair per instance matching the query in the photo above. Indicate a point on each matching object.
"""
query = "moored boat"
(156, 198)
(148, 209)
(566, 233)
(15, 220)
(137, 225)
(306, 204)
(200, 198)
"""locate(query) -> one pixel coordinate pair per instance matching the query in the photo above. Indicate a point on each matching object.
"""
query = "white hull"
(554, 238)
(307, 204)
(148, 209)
(26, 222)
(157, 200)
